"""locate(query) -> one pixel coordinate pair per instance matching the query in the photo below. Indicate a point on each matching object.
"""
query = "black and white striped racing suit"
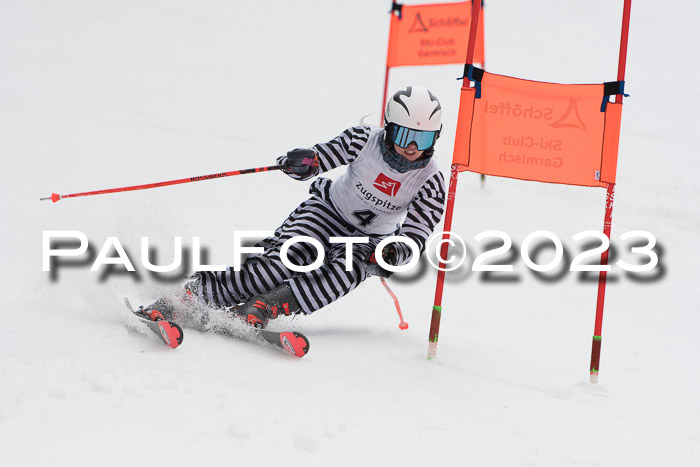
(370, 200)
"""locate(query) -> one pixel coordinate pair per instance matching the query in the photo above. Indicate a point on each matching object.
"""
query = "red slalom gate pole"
(388, 68)
(602, 281)
(437, 306)
(449, 208)
(386, 89)
(622, 62)
(56, 197)
(471, 45)
(609, 202)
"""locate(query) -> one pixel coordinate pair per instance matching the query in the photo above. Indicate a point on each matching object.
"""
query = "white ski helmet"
(414, 107)
(413, 115)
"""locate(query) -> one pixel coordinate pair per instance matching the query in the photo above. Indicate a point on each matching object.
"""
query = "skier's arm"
(341, 150)
(424, 214)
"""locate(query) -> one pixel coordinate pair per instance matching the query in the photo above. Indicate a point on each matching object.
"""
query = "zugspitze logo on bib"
(387, 185)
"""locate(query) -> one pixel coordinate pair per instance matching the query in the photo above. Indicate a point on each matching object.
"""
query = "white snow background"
(106, 94)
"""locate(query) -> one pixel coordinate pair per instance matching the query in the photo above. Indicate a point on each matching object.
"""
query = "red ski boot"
(260, 309)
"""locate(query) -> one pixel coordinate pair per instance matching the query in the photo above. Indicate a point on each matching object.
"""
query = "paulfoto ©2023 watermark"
(641, 244)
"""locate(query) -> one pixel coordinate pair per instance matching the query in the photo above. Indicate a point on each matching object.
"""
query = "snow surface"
(105, 94)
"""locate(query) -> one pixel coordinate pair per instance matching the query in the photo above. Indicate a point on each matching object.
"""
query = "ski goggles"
(402, 137)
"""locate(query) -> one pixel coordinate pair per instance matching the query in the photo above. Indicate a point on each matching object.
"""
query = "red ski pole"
(55, 196)
(402, 324)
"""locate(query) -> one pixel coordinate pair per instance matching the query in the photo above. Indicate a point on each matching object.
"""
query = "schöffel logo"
(420, 25)
(387, 185)
(570, 118)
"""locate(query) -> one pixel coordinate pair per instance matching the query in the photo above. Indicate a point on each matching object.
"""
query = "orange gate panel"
(545, 132)
(433, 35)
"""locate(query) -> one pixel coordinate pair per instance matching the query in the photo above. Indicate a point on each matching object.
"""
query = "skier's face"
(411, 152)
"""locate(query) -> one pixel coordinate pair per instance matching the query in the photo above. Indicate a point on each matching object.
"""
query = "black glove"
(389, 256)
(302, 162)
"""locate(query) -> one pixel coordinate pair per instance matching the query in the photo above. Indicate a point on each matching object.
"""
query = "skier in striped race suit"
(392, 187)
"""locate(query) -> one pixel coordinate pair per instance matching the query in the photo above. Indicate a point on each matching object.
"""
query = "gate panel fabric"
(433, 35)
(611, 141)
(545, 132)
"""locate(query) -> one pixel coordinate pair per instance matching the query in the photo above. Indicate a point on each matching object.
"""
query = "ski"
(291, 342)
(169, 331)
(227, 323)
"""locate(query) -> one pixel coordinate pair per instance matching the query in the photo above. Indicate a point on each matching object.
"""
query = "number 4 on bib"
(365, 216)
